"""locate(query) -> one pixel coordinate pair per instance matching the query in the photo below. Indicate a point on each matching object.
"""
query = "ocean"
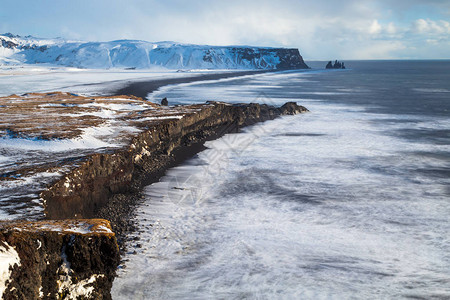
(348, 201)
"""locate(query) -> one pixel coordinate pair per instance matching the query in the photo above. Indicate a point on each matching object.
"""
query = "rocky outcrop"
(257, 57)
(8, 44)
(336, 65)
(71, 259)
(290, 59)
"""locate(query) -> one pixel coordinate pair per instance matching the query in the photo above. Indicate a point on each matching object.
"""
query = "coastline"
(143, 88)
(105, 184)
(109, 185)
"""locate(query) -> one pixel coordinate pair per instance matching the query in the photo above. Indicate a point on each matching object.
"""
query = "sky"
(320, 29)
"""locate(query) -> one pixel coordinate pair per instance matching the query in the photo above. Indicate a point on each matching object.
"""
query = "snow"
(89, 139)
(78, 227)
(119, 106)
(49, 78)
(83, 288)
(28, 180)
(8, 258)
(161, 118)
(131, 54)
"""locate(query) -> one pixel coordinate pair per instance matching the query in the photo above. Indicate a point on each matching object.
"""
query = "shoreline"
(143, 88)
(108, 185)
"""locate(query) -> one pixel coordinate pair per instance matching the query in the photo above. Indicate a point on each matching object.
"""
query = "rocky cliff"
(94, 154)
(144, 55)
(71, 259)
(93, 188)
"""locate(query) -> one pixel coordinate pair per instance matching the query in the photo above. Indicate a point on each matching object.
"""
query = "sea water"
(348, 201)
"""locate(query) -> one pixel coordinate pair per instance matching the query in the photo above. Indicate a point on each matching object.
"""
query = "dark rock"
(336, 65)
(291, 108)
(8, 44)
(164, 101)
(74, 259)
(289, 58)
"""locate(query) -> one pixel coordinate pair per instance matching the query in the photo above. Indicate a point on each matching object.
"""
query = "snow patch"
(161, 118)
(89, 139)
(79, 227)
(74, 290)
(8, 258)
(22, 181)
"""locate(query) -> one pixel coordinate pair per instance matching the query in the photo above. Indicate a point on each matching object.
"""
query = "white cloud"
(375, 27)
(391, 29)
(321, 29)
(422, 26)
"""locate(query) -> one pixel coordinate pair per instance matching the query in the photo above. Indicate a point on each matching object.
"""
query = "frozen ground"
(48, 78)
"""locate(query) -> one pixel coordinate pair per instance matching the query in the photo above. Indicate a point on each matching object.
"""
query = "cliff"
(72, 153)
(143, 55)
(71, 259)
(101, 185)
(88, 157)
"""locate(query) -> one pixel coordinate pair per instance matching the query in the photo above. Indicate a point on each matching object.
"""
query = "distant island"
(336, 65)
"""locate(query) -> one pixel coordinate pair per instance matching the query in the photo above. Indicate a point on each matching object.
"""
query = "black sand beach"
(143, 88)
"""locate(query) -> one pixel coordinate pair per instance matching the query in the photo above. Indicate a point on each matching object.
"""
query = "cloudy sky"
(321, 29)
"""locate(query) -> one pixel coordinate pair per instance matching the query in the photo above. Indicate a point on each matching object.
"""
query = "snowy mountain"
(15, 50)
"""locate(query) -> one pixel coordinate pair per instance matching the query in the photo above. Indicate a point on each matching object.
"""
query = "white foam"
(315, 206)
(431, 90)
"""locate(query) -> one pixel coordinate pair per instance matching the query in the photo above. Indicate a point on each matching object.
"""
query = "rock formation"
(336, 65)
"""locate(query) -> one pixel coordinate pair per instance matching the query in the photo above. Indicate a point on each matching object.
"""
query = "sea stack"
(337, 65)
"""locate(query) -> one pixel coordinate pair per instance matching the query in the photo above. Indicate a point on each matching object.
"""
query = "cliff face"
(290, 59)
(72, 259)
(88, 188)
(142, 54)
